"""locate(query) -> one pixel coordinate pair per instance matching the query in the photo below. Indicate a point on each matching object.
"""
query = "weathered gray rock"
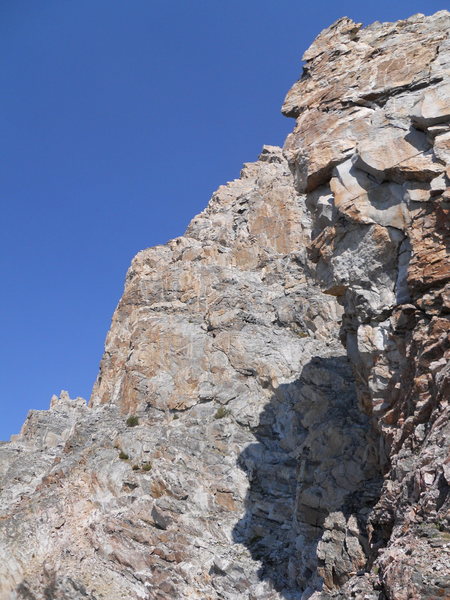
(376, 100)
(207, 349)
(230, 449)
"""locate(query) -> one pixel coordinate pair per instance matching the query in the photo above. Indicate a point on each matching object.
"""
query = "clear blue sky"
(118, 120)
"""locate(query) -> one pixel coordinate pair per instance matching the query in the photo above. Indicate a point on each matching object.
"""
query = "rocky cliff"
(270, 420)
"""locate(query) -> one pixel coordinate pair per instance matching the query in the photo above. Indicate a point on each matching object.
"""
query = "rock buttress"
(371, 152)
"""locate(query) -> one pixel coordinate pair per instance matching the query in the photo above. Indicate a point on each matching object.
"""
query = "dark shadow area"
(314, 479)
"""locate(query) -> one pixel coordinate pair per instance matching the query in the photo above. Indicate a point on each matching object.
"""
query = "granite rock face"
(270, 419)
(226, 357)
(370, 149)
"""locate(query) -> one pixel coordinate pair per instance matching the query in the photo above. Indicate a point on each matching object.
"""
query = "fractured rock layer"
(374, 160)
(226, 355)
(230, 449)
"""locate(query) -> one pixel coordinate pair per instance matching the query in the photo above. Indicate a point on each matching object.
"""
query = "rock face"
(233, 447)
(376, 102)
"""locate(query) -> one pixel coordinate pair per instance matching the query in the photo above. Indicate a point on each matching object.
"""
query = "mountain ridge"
(232, 446)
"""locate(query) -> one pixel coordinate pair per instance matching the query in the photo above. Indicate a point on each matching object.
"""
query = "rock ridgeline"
(270, 419)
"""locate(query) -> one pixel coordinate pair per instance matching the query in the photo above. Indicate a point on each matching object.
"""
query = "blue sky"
(118, 120)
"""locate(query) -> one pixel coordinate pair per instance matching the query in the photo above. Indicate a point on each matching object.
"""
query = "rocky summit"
(270, 419)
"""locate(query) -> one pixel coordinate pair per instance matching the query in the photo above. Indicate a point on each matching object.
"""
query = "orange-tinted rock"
(254, 465)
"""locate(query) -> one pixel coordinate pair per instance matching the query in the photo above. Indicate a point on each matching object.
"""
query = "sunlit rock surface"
(374, 159)
(270, 418)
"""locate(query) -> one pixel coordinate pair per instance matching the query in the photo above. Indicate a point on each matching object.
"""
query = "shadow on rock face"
(314, 478)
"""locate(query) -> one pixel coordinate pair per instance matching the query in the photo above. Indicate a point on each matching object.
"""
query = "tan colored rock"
(389, 154)
(320, 141)
(360, 199)
(442, 148)
(434, 106)
(256, 463)
(337, 101)
(339, 51)
(393, 286)
(206, 349)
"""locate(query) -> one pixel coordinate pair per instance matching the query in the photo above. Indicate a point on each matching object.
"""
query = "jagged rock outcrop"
(226, 354)
(371, 149)
(230, 449)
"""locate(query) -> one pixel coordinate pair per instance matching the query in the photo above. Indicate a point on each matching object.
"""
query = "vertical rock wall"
(229, 450)
(371, 151)
(245, 455)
